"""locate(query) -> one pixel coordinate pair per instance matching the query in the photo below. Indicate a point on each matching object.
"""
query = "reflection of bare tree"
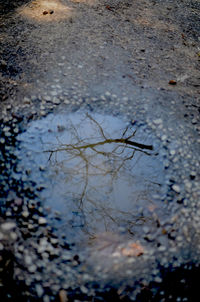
(88, 158)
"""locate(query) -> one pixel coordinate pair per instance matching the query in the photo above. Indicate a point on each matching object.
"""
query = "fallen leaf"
(133, 250)
(109, 8)
(172, 82)
(63, 296)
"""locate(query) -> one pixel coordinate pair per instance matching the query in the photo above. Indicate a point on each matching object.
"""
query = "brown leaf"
(133, 250)
(109, 8)
(63, 296)
(172, 82)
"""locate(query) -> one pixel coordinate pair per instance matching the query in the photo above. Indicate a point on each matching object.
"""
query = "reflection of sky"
(92, 190)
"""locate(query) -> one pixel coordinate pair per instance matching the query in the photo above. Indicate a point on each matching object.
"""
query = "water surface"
(103, 174)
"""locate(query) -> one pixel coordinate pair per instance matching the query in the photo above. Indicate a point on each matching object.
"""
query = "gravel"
(112, 57)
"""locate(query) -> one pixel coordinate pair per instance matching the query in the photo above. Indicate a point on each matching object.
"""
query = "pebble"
(162, 248)
(157, 121)
(2, 140)
(28, 260)
(39, 290)
(47, 98)
(172, 152)
(146, 229)
(56, 101)
(176, 188)
(13, 236)
(164, 137)
(46, 299)
(54, 93)
(32, 268)
(42, 220)
(27, 100)
(7, 226)
(16, 130)
(25, 214)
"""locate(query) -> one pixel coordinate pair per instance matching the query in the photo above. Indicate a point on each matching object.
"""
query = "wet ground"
(99, 158)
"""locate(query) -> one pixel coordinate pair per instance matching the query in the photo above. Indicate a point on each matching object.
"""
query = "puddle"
(101, 174)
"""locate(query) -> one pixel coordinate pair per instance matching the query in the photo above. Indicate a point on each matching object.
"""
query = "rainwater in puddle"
(101, 174)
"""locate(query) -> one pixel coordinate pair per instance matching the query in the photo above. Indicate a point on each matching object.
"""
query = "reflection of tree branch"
(86, 177)
(107, 141)
(100, 128)
(87, 158)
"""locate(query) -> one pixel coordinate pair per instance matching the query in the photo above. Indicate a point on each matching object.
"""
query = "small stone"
(13, 236)
(164, 137)
(16, 130)
(47, 98)
(42, 113)
(84, 289)
(54, 240)
(2, 140)
(46, 299)
(157, 279)
(27, 100)
(162, 248)
(192, 175)
(42, 220)
(7, 226)
(20, 248)
(146, 229)
(158, 121)
(28, 260)
(6, 129)
(25, 214)
(8, 134)
(39, 290)
(3, 63)
(56, 101)
(54, 93)
(66, 257)
(8, 107)
(172, 152)
(32, 268)
(176, 188)
(42, 168)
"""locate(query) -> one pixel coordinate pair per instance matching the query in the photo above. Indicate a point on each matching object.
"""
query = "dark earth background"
(136, 59)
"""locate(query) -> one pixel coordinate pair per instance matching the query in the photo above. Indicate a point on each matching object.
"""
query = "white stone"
(176, 188)
(158, 121)
(7, 226)
(42, 220)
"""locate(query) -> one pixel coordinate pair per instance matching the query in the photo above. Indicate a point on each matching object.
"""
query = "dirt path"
(102, 46)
